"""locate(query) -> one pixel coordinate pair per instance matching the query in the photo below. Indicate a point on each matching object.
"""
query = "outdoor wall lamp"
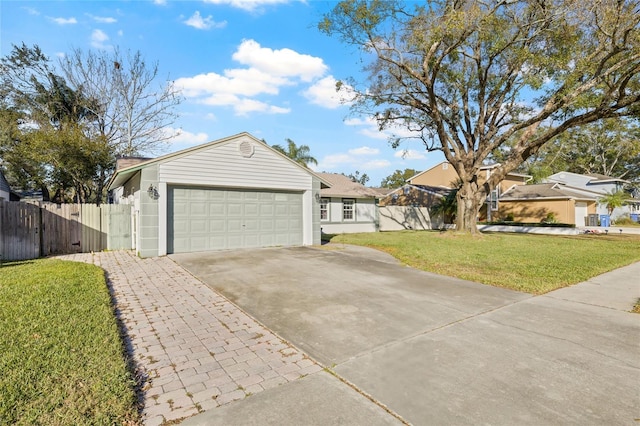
(153, 192)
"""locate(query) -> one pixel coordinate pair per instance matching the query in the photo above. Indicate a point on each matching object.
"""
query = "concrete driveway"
(438, 350)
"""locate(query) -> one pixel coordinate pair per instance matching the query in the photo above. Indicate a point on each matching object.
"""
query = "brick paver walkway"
(195, 349)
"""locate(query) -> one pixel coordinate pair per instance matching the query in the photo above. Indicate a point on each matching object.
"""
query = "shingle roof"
(542, 190)
(342, 186)
(437, 190)
(598, 177)
(381, 192)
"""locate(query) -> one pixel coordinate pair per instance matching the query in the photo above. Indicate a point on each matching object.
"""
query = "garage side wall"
(149, 213)
(316, 234)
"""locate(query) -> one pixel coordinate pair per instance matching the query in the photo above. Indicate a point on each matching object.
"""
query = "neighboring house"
(443, 175)
(547, 201)
(596, 185)
(235, 192)
(347, 206)
(6, 193)
(408, 207)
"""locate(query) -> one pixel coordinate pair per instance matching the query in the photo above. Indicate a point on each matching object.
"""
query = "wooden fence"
(29, 231)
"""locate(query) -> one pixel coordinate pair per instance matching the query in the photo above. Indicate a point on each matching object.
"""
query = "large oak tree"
(470, 76)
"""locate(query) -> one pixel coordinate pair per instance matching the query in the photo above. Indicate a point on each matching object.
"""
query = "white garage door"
(201, 219)
(581, 213)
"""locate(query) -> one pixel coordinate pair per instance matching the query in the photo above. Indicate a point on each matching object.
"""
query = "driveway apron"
(438, 350)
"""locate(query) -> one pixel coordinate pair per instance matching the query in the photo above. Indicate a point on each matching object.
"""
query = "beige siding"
(224, 165)
(536, 211)
(444, 175)
(441, 175)
(510, 181)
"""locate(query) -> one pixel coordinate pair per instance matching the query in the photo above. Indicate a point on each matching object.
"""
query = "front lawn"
(61, 356)
(525, 262)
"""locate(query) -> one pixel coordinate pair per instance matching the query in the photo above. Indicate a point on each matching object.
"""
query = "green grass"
(62, 361)
(524, 262)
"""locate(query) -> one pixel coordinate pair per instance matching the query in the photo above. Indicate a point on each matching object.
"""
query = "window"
(324, 209)
(348, 209)
(494, 200)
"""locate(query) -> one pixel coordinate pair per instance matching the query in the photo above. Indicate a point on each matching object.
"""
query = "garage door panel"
(250, 225)
(217, 243)
(251, 209)
(234, 241)
(217, 210)
(198, 209)
(199, 226)
(217, 225)
(199, 243)
(234, 225)
(197, 194)
(234, 209)
(267, 225)
(203, 219)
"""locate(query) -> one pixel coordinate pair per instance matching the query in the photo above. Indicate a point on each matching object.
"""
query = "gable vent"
(246, 149)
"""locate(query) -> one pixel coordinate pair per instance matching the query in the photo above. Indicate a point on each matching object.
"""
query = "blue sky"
(259, 66)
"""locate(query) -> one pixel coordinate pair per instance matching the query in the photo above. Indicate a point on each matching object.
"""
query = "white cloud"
(354, 159)
(120, 33)
(185, 138)
(323, 92)
(98, 39)
(282, 62)
(364, 150)
(369, 128)
(375, 164)
(248, 5)
(410, 154)
(245, 106)
(65, 21)
(197, 21)
(268, 71)
(103, 19)
(31, 11)
(236, 82)
(160, 2)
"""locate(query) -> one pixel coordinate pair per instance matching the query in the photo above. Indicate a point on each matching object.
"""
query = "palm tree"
(447, 207)
(300, 154)
(614, 200)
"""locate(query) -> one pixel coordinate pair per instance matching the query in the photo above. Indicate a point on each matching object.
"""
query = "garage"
(202, 219)
(235, 192)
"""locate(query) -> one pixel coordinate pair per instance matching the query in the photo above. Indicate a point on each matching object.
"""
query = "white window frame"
(324, 206)
(348, 206)
(493, 200)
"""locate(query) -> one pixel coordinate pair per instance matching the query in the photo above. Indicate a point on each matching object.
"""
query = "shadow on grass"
(137, 372)
(11, 263)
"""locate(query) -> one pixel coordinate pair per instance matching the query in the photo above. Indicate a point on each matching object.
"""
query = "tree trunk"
(470, 198)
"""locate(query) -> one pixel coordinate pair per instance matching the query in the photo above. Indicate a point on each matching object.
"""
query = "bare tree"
(470, 76)
(133, 111)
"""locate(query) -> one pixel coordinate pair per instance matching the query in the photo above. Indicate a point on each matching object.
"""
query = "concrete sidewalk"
(194, 349)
